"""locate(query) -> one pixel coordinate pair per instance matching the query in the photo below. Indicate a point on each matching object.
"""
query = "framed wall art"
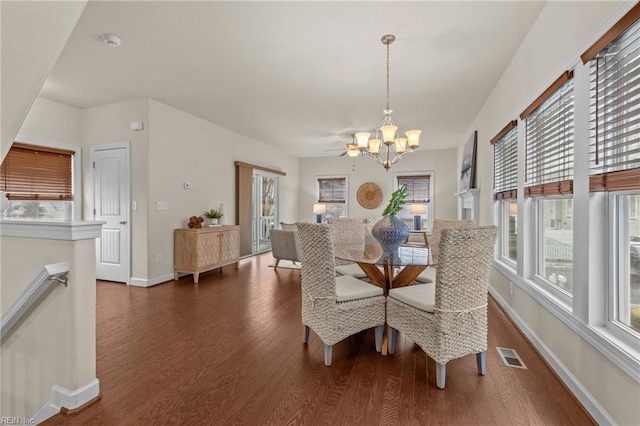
(467, 171)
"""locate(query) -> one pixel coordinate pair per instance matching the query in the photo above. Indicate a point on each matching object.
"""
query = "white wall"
(55, 343)
(54, 122)
(33, 35)
(542, 57)
(173, 148)
(184, 148)
(553, 44)
(441, 162)
(108, 124)
(616, 392)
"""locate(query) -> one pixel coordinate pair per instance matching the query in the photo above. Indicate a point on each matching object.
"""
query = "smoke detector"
(111, 40)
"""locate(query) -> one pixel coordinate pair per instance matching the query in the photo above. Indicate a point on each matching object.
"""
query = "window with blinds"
(417, 188)
(36, 173)
(505, 162)
(332, 190)
(549, 140)
(615, 114)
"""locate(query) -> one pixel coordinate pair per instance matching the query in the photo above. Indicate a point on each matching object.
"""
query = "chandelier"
(386, 148)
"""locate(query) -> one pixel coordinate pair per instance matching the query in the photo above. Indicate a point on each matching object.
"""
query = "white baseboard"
(575, 386)
(49, 410)
(142, 282)
(70, 399)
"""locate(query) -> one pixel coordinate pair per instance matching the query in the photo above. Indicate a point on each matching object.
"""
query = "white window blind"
(615, 114)
(549, 142)
(332, 190)
(505, 162)
(417, 188)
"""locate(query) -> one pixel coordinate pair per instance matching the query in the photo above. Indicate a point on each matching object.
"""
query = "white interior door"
(111, 194)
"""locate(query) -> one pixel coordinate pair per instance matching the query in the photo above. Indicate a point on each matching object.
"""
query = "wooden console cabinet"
(200, 250)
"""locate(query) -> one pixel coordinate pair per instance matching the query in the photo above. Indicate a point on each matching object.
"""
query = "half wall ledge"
(51, 230)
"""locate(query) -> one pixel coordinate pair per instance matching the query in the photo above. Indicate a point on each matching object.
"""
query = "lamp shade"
(353, 152)
(319, 208)
(401, 145)
(374, 146)
(414, 138)
(388, 133)
(362, 138)
(416, 208)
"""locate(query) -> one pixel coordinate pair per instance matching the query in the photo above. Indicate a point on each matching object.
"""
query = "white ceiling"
(298, 75)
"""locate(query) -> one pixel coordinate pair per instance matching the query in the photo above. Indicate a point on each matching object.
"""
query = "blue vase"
(390, 232)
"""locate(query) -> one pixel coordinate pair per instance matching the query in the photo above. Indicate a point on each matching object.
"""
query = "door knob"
(123, 222)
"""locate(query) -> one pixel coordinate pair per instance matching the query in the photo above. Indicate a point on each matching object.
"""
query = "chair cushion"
(421, 296)
(427, 276)
(349, 288)
(288, 226)
(351, 269)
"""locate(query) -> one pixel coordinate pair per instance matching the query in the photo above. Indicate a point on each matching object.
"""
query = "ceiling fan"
(349, 147)
(345, 150)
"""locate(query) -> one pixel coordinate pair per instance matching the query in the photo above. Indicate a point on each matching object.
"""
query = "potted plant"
(390, 231)
(214, 216)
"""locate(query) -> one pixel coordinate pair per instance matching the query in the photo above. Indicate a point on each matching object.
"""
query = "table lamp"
(417, 210)
(319, 210)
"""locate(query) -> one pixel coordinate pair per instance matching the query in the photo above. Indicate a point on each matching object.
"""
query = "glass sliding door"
(264, 209)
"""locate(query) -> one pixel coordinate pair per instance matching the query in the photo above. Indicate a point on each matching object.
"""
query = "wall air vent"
(510, 358)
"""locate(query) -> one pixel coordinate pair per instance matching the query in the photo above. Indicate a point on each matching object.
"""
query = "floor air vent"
(510, 358)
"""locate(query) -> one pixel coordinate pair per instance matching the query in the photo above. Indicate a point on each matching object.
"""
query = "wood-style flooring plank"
(229, 350)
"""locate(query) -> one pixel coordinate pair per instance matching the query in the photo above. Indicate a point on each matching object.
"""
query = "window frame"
(503, 206)
(405, 214)
(75, 209)
(555, 291)
(618, 254)
(635, 216)
(345, 205)
(593, 224)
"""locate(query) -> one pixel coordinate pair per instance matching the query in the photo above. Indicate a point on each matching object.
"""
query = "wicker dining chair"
(334, 307)
(347, 232)
(448, 319)
(439, 225)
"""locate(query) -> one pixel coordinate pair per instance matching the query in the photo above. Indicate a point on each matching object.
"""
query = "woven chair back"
(436, 234)
(318, 265)
(463, 269)
(346, 232)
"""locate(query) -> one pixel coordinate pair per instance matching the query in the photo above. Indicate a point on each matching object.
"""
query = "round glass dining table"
(409, 260)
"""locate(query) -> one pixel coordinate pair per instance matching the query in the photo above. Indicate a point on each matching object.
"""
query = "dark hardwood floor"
(229, 351)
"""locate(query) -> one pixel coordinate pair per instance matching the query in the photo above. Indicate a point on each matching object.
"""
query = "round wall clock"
(369, 195)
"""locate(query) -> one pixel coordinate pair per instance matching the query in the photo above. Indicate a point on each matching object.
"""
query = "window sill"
(620, 353)
(51, 230)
